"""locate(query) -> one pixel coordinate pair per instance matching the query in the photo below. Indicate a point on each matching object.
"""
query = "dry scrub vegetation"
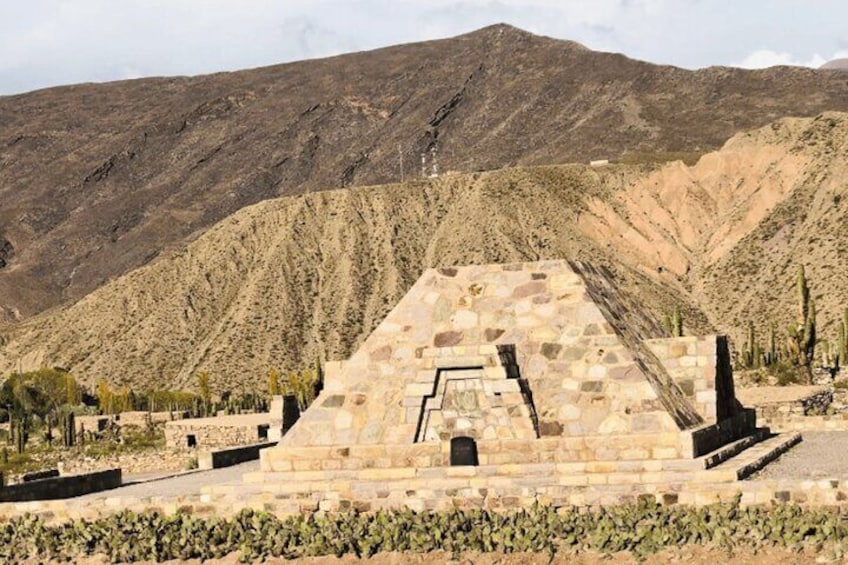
(289, 280)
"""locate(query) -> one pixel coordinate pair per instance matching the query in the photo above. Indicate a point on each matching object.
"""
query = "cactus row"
(643, 528)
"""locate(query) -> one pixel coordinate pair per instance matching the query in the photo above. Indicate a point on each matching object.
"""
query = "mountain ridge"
(97, 180)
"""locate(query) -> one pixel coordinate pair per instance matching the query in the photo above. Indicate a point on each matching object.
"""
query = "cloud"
(50, 42)
(764, 58)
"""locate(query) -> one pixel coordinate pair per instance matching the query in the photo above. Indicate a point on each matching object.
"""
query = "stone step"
(732, 449)
(758, 456)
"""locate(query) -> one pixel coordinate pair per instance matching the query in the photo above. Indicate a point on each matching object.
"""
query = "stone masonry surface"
(520, 359)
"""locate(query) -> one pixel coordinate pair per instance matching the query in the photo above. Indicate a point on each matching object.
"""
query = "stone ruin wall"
(211, 435)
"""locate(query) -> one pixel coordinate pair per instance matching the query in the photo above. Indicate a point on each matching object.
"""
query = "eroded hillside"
(285, 281)
(288, 280)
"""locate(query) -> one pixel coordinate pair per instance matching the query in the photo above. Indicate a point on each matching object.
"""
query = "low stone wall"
(140, 418)
(231, 455)
(461, 494)
(153, 461)
(91, 424)
(797, 423)
(215, 432)
(62, 487)
(815, 404)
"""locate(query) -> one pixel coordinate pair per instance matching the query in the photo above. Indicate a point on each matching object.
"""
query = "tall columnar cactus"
(771, 357)
(68, 431)
(677, 322)
(801, 342)
(21, 433)
(750, 347)
(843, 339)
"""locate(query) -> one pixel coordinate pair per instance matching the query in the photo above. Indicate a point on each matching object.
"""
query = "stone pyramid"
(499, 385)
(546, 359)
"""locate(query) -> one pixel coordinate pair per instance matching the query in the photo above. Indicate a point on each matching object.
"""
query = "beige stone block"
(636, 453)
(569, 412)
(665, 453)
(600, 467)
(571, 468)
(653, 477)
(387, 474)
(623, 479)
(573, 480)
(688, 361)
(705, 396)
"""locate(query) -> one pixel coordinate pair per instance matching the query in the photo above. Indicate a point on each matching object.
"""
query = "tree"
(105, 397)
(205, 391)
(274, 383)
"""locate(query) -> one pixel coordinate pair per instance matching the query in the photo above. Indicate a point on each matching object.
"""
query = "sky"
(52, 42)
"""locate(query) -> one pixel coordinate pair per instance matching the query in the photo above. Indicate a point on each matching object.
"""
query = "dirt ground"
(695, 555)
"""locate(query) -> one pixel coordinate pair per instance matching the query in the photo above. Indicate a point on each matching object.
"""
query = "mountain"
(288, 280)
(836, 65)
(99, 179)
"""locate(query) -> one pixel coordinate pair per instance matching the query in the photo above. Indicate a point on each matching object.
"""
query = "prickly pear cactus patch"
(642, 528)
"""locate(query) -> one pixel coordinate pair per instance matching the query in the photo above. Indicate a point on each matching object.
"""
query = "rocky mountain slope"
(96, 180)
(288, 280)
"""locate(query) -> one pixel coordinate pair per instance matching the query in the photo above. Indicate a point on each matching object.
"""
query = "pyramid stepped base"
(500, 486)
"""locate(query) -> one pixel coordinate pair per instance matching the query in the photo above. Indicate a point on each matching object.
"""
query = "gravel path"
(820, 455)
(185, 484)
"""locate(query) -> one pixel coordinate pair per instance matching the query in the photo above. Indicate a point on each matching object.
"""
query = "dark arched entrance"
(463, 451)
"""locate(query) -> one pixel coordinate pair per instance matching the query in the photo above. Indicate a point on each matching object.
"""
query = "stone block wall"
(691, 362)
(139, 418)
(815, 404)
(91, 424)
(514, 452)
(216, 432)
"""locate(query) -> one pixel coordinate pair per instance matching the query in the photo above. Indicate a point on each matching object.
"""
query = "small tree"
(205, 391)
(274, 383)
(105, 397)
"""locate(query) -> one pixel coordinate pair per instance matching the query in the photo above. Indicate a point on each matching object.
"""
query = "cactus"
(50, 422)
(843, 339)
(677, 322)
(21, 433)
(68, 432)
(750, 354)
(824, 349)
(771, 356)
(801, 342)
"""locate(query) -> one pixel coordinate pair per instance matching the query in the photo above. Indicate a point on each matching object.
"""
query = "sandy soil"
(694, 555)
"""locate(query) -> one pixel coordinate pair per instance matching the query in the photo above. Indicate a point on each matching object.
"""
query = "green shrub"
(642, 528)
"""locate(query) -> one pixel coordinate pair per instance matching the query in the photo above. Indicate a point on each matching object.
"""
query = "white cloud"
(764, 58)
